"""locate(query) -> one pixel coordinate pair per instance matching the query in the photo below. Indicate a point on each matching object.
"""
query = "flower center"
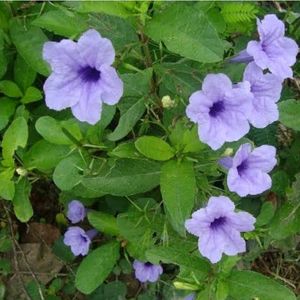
(216, 109)
(148, 264)
(242, 167)
(84, 238)
(89, 74)
(216, 223)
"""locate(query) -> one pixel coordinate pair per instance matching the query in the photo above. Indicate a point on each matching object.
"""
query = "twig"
(15, 242)
(16, 263)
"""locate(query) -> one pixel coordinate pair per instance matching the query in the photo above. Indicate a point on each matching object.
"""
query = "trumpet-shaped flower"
(248, 170)
(82, 76)
(273, 51)
(76, 211)
(79, 240)
(220, 110)
(146, 271)
(219, 228)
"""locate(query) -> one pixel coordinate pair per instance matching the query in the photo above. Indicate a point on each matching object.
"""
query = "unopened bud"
(185, 286)
(21, 171)
(228, 152)
(167, 102)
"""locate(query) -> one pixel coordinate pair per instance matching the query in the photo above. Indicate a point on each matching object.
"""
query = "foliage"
(141, 170)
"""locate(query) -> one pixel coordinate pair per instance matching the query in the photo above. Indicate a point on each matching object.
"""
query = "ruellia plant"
(165, 137)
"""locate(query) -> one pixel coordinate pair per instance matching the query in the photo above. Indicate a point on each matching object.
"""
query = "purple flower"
(146, 271)
(218, 228)
(82, 77)
(220, 110)
(273, 51)
(265, 91)
(79, 240)
(76, 211)
(248, 172)
(190, 297)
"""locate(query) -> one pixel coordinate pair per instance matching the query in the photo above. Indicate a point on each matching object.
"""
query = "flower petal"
(242, 221)
(236, 183)
(254, 49)
(111, 85)
(241, 154)
(89, 108)
(234, 242)
(256, 181)
(63, 56)
(95, 50)
(198, 107)
(62, 91)
(266, 86)
(215, 86)
(219, 206)
(270, 29)
(211, 246)
(263, 158)
(263, 113)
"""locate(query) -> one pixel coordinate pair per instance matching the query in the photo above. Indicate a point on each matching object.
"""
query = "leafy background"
(141, 170)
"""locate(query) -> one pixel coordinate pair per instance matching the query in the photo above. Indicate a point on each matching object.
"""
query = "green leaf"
(22, 206)
(289, 113)
(186, 30)
(125, 150)
(239, 12)
(177, 255)
(52, 130)
(139, 228)
(29, 42)
(128, 118)
(44, 156)
(119, 31)
(178, 188)
(280, 182)
(286, 221)
(68, 173)
(7, 186)
(10, 89)
(112, 290)
(24, 75)
(126, 177)
(15, 136)
(132, 107)
(99, 263)
(103, 222)
(111, 8)
(248, 285)
(32, 94)
(3, 57)
(137, 84)
(266, 214)
(7, 109)
(154, 148)
(61, 22)
(180, 79)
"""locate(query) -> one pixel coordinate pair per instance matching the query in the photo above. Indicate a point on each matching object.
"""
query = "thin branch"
(16, 263)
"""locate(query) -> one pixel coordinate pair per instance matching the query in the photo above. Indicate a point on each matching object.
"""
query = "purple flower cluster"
(218, 227)
(75, 237)
(223, 111)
